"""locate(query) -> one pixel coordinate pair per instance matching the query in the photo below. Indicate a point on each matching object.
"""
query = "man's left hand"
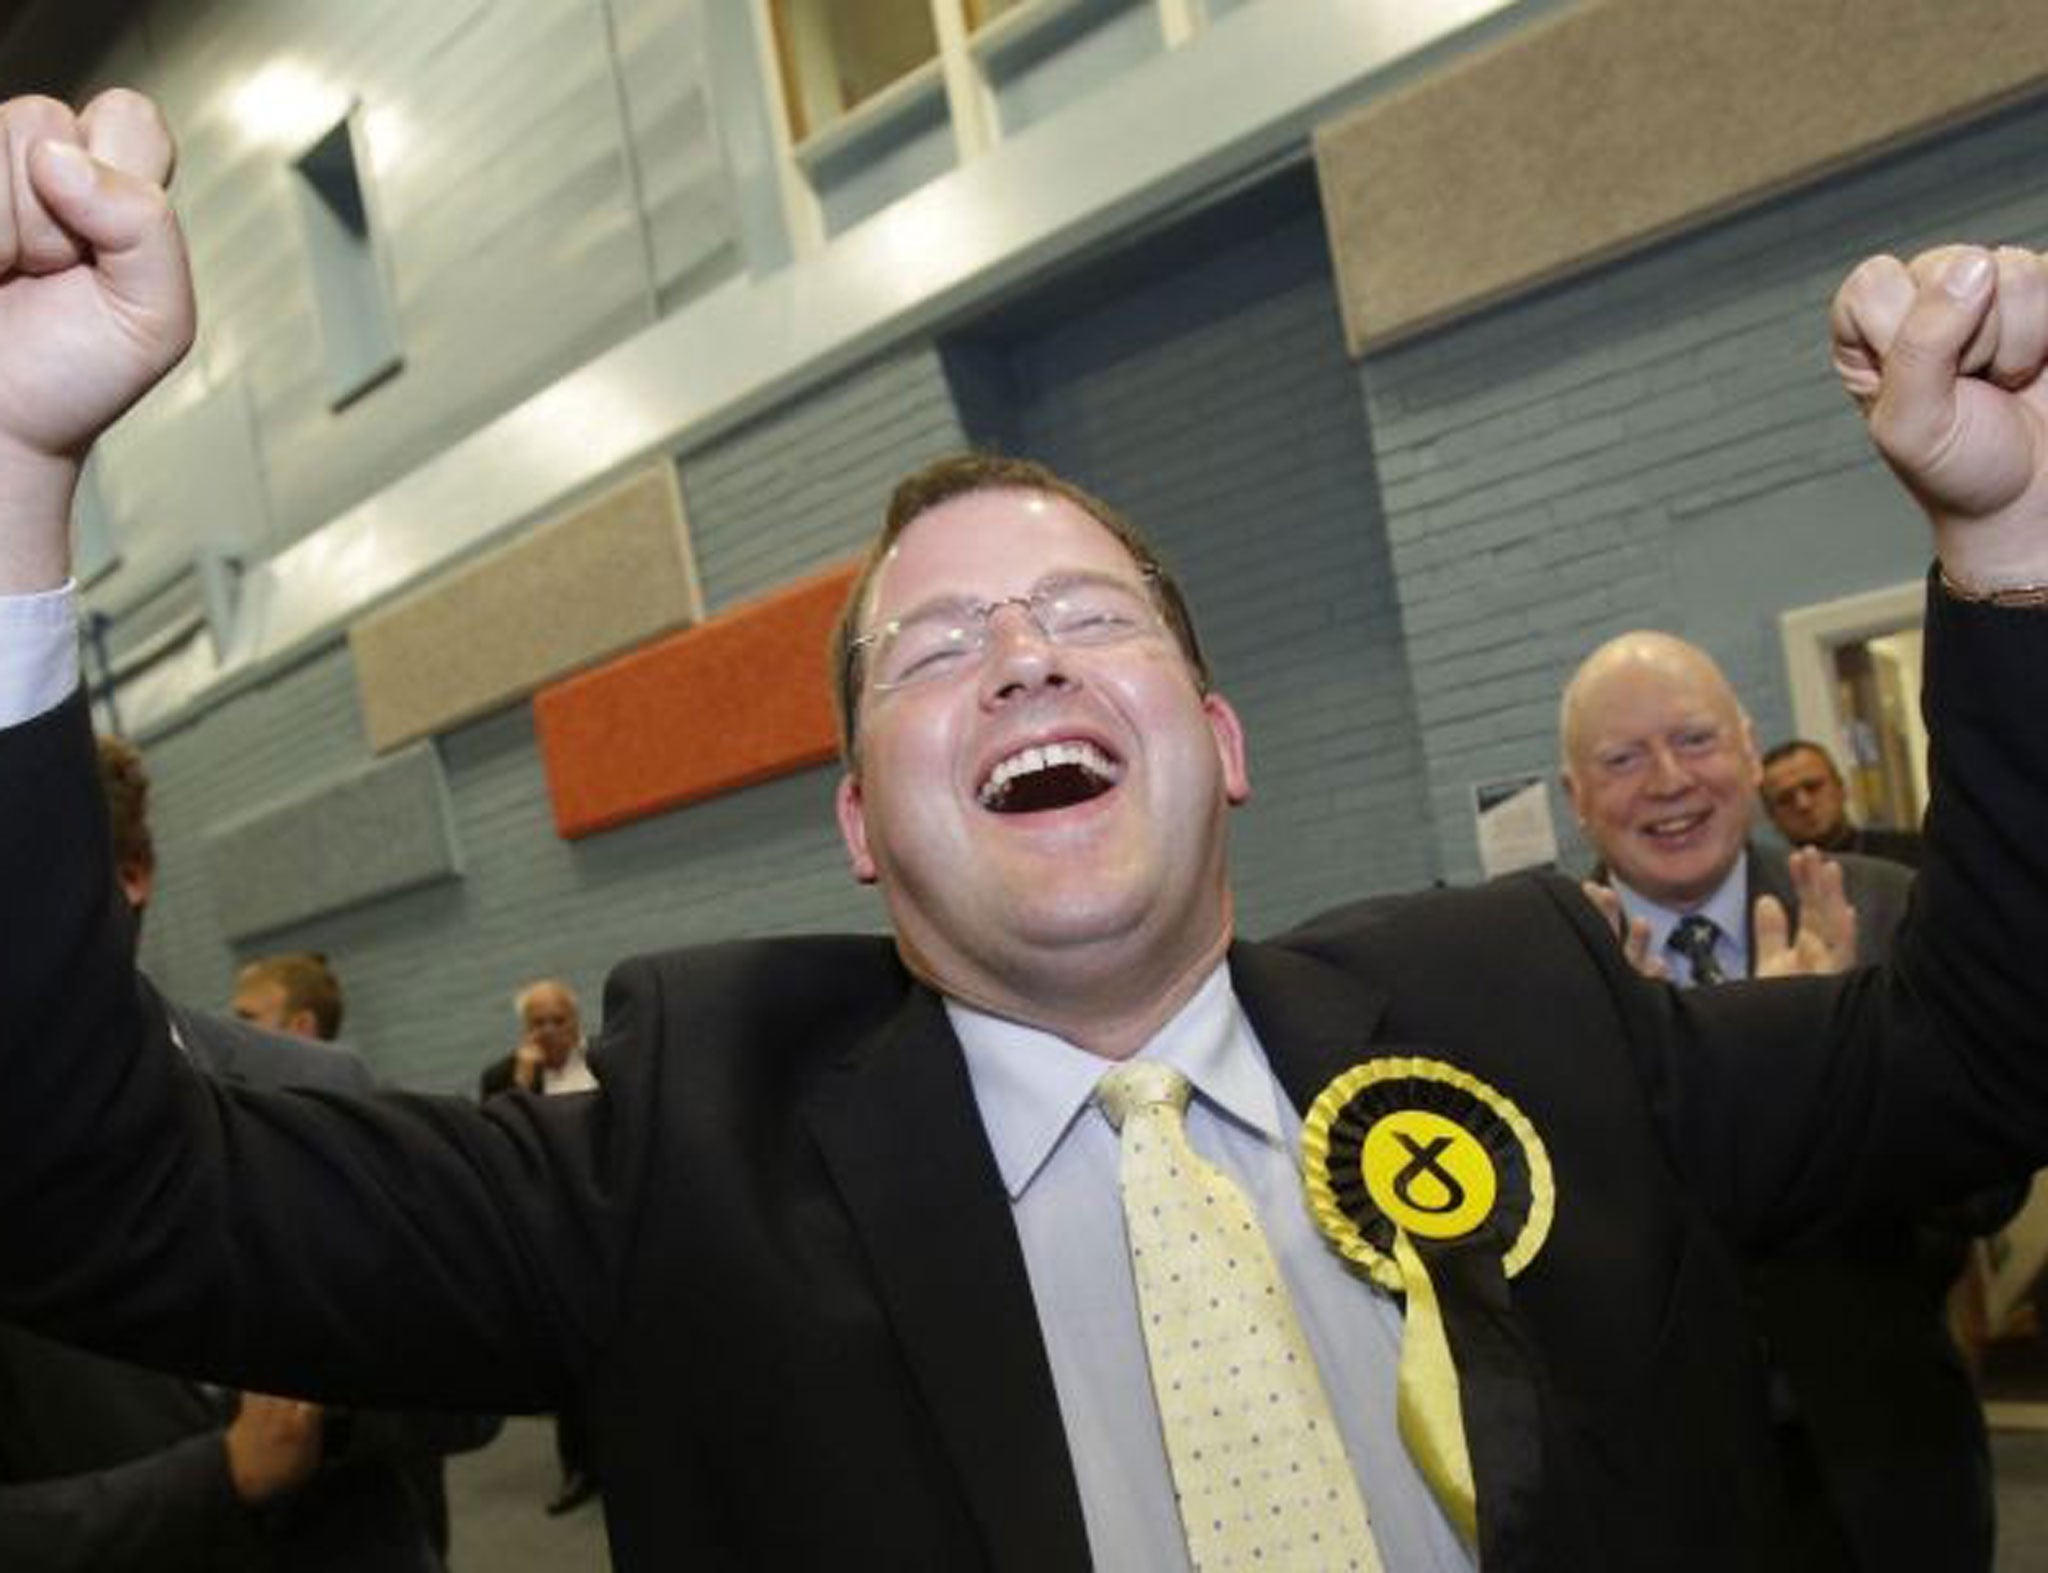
(1826, 941)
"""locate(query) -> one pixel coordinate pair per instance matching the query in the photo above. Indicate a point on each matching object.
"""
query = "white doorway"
(1854, 669)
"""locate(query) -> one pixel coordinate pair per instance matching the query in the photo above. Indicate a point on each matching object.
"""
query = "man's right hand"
(273, 1446)
(95, 304)
(1945, 355)
(529, 1063)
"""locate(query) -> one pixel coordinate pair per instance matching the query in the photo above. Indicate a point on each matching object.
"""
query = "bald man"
(550, 1055)
(1661, 767)
(1875, 1415)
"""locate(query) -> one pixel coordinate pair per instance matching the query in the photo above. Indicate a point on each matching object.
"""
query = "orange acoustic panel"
(738, 699)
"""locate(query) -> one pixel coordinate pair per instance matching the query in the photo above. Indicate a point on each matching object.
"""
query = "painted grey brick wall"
(807, 484)
(269, 744)
(1210, 399)
(1660, 444)
(430, 974)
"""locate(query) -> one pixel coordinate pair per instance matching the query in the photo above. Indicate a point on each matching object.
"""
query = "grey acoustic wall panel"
(1622, 122)
(599, 579)
(371, 832)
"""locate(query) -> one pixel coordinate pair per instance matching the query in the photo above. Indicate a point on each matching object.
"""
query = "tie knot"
(1140, 1084)
(1694, 938)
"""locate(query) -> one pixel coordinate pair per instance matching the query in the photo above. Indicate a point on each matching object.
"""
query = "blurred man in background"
(1806, 799)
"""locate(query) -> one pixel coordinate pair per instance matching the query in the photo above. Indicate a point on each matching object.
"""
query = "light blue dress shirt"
(1058, 1157)
(1728, 906)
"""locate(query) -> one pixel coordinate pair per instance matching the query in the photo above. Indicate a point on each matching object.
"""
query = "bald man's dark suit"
(776, 1255)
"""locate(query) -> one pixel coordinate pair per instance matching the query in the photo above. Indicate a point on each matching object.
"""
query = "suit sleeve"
(496, 1078)
(1788, 1104)
(161, 1513)
(396, 1251)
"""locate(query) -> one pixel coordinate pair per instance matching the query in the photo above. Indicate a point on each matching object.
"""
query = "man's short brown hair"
(125, 784)
(958, 475)
(309, 984)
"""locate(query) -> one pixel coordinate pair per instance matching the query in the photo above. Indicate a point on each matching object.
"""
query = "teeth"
(1028, 761)
(1675, 827)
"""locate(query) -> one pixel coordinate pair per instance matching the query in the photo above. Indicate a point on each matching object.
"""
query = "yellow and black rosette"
(1438, 1187)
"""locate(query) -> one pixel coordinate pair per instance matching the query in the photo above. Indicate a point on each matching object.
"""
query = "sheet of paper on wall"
(1515, 825)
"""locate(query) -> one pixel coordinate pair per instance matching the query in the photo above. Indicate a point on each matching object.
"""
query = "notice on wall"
(1515, 826)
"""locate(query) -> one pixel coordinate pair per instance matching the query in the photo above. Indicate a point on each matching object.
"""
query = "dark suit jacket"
(109, 1467)
(1894, 846)
(775, 1253)
(106, 1466)
(1855, 1322)
(496, 1078)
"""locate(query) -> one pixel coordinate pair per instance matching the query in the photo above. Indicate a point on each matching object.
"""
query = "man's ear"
(853, 828)
(1570, 785)
(137, 877)
(1751, 752)
(1229, 734)
(301, 1024)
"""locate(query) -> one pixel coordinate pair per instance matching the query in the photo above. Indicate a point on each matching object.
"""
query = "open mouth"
(1048, 776)
(1676, 828)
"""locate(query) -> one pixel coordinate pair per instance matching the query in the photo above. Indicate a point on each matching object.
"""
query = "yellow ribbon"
(1426, 1406)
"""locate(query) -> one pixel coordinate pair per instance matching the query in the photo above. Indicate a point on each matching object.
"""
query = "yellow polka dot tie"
(1258, 1464)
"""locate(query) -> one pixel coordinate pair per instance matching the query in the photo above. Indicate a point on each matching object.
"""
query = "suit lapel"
(935, 1219)
(903, 1139)
(1317, 1021)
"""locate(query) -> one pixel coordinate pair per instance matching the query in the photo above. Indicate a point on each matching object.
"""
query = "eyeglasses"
(949, 639)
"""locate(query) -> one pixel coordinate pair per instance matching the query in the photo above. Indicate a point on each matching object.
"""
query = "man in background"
(550, 1060)
(296, 994)
(1876, 1417)
(550, 1056)
(1804, 795)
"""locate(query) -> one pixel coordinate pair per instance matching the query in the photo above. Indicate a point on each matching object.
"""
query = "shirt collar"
(1726, 906)
(1031, 1085)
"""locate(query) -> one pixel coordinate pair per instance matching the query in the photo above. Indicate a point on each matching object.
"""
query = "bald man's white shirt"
(38, 652)
(574, 1074)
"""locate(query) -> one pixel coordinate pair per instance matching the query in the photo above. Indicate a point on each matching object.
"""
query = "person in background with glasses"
(863, 1252)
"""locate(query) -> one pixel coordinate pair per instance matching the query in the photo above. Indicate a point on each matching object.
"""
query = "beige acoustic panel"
(605, 576)
(1620, 121)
